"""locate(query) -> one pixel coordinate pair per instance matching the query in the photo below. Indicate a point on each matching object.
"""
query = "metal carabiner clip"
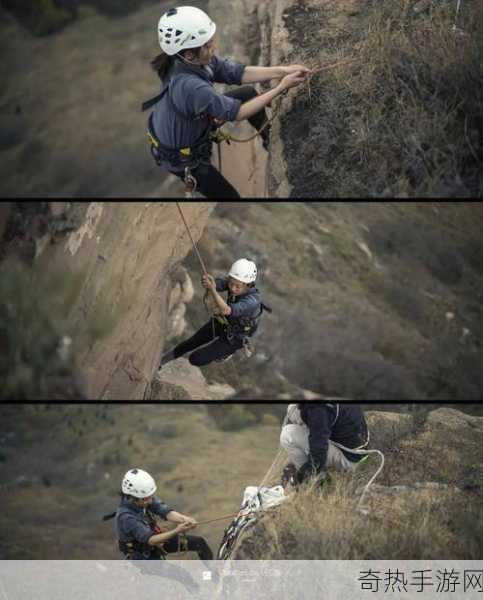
(190, 183)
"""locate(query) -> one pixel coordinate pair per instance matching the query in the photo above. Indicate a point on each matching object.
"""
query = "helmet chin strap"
(187, 61)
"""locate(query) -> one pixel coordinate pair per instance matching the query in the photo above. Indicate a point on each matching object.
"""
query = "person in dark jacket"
(136, 526)
(313, 436)
(236, 319)
(188, 109)
(140, 537)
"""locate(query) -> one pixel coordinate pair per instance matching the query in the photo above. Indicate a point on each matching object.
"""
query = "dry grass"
(414, 525)
(442, 520)
(405, 119)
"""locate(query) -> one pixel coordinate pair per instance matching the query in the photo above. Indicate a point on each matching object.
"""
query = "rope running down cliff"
(205, 272)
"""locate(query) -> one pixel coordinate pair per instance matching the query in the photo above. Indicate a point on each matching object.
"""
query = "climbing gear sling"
(129, 549)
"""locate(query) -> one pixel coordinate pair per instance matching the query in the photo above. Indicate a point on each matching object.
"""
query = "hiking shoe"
(165, 359)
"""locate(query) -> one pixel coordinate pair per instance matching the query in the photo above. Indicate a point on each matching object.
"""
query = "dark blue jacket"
(244, 308)
(182, 117)
(348, 428)
(132, 523)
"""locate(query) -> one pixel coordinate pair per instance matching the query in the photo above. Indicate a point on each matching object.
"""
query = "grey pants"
(295, 440)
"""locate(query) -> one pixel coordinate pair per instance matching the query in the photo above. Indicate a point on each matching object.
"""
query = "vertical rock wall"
(124, 254)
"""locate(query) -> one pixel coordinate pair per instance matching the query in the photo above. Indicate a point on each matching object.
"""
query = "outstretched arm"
(255, 74)
(247, 109)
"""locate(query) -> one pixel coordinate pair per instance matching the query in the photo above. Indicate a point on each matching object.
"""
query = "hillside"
(60, 469)
(371, 300)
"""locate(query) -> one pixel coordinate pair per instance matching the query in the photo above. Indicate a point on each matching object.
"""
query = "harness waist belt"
(201, 149)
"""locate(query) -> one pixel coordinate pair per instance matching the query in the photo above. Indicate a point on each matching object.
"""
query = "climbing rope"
(222, 136)
(205, 272)
(195, 247)
(232, 516)
(365, 452)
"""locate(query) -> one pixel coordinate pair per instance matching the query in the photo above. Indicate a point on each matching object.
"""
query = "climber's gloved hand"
(308, 471)
(305, 472)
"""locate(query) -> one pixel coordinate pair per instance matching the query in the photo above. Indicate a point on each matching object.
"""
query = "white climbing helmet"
(138, 483)
(184, 27)
(244, 270)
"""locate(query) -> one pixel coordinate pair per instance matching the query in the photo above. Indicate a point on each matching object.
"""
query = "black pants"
(214, 347)
(210, 182)
(191, 543)
(170, 570)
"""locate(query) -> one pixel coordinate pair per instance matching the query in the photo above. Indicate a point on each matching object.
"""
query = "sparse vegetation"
(414, 525)
(232, 417)
(42, 17)
(404, 119)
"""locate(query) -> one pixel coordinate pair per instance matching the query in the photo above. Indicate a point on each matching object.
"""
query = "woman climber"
(188, 110)
(235, 319)
(141, 539)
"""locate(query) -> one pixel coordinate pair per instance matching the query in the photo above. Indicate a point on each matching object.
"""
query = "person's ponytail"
(161, 64)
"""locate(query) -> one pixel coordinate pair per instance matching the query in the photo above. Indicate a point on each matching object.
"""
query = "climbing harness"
(201, 151)
(243, 329)
(128, 549)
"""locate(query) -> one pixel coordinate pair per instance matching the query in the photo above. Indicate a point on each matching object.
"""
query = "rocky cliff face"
(125, 259)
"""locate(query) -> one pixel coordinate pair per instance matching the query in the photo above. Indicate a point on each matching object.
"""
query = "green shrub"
(232, 417)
